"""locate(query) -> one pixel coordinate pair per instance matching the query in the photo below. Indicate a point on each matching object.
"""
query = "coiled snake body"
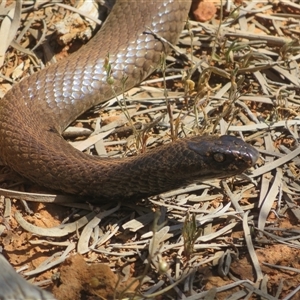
(35, 112)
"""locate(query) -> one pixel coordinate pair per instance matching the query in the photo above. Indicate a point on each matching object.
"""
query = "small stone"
(204, 11)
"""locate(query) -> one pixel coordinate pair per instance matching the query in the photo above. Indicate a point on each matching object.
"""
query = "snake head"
(222, 156)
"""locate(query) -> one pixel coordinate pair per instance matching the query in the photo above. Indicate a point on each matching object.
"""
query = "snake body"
(35, 111)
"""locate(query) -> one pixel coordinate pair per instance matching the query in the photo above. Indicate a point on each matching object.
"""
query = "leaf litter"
(207, 240)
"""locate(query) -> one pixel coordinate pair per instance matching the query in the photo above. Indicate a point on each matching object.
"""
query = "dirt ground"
(90, 276)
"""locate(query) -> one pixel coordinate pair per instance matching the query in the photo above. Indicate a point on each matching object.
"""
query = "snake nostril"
(219, 157)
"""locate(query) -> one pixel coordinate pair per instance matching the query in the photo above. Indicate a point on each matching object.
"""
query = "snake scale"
(35, 112)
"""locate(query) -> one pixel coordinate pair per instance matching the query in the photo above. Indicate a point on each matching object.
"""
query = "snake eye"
(219, 157)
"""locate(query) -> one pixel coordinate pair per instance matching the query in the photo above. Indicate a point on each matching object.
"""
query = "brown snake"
(35, 112)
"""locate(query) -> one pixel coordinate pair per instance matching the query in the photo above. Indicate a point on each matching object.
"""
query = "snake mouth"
(239, 149)
(253, 155)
